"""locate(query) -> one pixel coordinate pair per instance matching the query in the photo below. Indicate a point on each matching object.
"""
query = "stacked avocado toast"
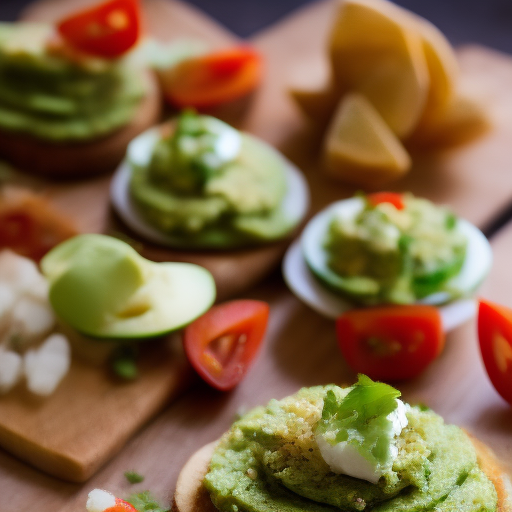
(270, 461)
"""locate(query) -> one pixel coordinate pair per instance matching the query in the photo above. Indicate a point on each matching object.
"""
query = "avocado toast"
(270, 460)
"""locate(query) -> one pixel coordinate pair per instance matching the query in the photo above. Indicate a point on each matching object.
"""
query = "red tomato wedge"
(495, 337)
(121, 506)
(29, 225)
(222, 344)
(105, 30)
(213, 79)
(390, 343)
(386, 197)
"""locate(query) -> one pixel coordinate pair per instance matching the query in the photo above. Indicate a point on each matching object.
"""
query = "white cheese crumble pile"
(100, 500)
(344, 458)
(27, 347)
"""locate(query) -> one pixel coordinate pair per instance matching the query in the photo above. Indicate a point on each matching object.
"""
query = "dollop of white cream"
(344, 458)
(228, 144)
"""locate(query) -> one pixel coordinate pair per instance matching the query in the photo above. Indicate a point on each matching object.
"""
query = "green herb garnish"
(124, 363)
(133, 477)
(360, 419)
(144, 502)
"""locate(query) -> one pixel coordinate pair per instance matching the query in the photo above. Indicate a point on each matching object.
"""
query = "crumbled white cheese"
(7, 299)
(20, 273)
(47, 366)
(99, 500)
(11, 369)
(344, 458)
(31, 318)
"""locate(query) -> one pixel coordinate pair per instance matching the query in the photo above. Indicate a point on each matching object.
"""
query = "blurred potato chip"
(463, 120)
(360, 148)
(375, 49)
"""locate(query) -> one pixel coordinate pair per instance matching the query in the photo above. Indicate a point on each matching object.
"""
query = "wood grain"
(300, 348)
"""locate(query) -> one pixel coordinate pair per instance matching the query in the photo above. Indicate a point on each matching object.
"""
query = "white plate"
(295, 203)
(311, 291)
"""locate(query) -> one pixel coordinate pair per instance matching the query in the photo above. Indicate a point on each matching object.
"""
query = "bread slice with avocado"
(82, 158)
(64, 114)
(270, 462)
(192, 496)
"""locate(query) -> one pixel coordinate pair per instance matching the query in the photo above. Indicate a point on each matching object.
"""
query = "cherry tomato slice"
(121, 506)
(213, 79)
(222, 344)
(390, 343)
(105, 30)
(28, 224)
(495, 337)
(386, 197)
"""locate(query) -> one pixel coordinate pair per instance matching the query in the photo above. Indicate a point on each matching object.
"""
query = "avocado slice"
(229, 217)
(464, 275)
(102, 287)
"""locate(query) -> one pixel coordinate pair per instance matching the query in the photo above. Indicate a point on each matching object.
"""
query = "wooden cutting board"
(300, 348)
(91, 416)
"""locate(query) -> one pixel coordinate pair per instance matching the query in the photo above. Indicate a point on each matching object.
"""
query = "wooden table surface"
(300, 348)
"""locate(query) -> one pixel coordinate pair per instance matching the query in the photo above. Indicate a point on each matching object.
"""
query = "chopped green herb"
(133, 477)
(124, 363)
(360, 418)
(144, 502)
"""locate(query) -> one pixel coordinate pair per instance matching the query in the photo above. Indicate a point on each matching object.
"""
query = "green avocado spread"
(51, 96)
(270, 461)
(209, 185)
(385, 254)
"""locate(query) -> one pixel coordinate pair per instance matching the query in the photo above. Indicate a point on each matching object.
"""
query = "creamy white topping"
(344, 458)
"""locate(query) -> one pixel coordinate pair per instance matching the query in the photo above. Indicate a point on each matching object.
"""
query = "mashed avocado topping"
(206, 184)
(46, 93)
(269, 461)
(385, 254)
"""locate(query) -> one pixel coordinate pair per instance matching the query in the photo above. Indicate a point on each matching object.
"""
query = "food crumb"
(252, 474)
(133, 477)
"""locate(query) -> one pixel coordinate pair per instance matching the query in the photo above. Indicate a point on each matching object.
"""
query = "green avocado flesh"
(378, 254)
(269, 461)
(52, 98)
(189, 193)
(102, 287)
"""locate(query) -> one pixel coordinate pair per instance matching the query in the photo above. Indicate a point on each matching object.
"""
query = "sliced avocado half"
(102, 287)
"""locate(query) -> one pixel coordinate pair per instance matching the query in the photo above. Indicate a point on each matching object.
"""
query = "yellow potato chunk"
(462, 121)
(360, 148)
(313, 90)
(443, 68)
(375, 49)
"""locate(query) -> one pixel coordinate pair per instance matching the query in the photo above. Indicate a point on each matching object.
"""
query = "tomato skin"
(386, 197)
(105, 30)
(28, 224)
(208, 81)
(495, 339)
(390, 343)
(121, 506)
(222, 344)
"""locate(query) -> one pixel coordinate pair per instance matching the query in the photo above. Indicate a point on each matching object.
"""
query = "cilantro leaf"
(360, 419)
